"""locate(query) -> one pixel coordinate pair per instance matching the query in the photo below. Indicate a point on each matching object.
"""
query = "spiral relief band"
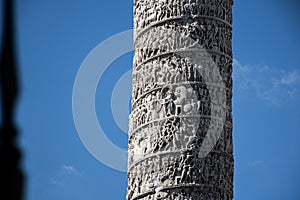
(180, 129)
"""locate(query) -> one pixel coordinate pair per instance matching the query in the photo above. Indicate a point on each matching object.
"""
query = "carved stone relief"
(181, 96)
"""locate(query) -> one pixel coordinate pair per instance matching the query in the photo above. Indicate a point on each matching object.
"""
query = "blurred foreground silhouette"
(11, 176)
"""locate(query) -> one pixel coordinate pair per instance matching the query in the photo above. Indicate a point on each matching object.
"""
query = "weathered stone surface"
(180, 131)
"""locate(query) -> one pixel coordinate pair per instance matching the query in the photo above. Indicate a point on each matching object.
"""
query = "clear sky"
(55, 36)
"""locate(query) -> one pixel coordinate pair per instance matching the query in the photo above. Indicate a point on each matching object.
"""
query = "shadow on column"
(11, 176)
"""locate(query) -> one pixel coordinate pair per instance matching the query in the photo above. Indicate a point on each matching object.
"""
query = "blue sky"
(54, 37)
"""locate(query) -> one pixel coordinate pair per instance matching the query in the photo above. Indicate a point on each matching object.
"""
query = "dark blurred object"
(11, 176)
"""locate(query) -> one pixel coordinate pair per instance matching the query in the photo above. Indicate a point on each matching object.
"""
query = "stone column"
(180, 131)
